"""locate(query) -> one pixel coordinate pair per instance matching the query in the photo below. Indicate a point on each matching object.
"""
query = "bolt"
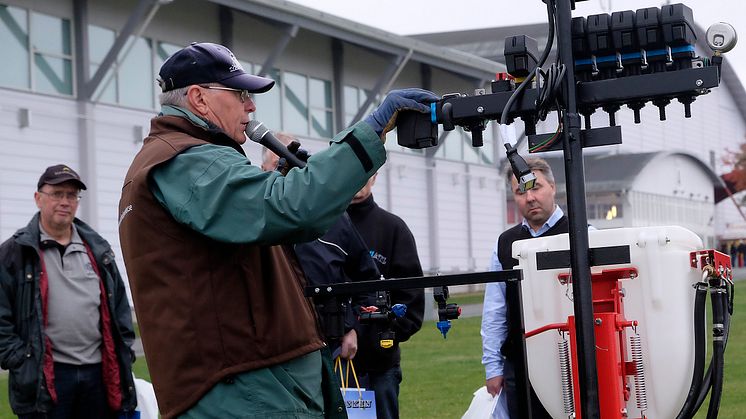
(329, 289)
(699, 82)
(598, 322)
(316, 290)
(480, 109)
(624, 412)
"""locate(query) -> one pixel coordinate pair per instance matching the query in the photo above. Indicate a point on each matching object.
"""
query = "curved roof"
(617, 172)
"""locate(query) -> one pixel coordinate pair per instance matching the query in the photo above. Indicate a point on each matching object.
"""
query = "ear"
(373, 179)
(197, 100)
(37, 199)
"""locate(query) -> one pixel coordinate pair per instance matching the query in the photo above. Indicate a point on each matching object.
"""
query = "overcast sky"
(406, 17)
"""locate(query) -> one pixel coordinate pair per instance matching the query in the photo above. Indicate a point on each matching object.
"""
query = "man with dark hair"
(393, 248)
(65, 324)
(226, 328)
(541, 217)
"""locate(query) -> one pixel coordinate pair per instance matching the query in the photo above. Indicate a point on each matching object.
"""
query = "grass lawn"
(440, 375)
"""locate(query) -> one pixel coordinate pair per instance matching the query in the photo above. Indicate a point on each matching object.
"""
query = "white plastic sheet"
(484, 406)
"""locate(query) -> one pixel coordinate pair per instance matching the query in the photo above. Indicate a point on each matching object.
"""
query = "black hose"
(700, 344)
(719, 304)
(707, 381)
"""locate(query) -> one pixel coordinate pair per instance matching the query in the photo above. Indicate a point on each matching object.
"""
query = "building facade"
(78, 86)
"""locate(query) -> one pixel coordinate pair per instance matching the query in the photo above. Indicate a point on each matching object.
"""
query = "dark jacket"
(340, 255)
(393, 248)
(22, 343)
(207, 309)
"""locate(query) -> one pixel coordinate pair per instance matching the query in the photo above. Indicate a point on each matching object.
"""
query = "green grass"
(441, 375)
(467, 298)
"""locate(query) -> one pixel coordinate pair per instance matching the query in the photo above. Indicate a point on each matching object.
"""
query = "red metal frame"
(610, 330)
(611, 338)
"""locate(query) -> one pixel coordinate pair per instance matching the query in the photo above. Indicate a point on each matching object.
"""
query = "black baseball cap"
(54, 175)
(208, 63)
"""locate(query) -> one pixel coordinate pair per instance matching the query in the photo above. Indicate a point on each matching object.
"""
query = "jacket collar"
(167, 123)
(30, 236)
(363, 207)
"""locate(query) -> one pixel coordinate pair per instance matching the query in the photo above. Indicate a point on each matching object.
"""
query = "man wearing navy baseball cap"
(66, 325)
(226, 329)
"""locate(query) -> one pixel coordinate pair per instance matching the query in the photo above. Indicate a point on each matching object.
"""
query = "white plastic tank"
(661, 299)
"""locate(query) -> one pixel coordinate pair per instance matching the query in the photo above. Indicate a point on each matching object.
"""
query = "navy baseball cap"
(208, 63)
(54, 175)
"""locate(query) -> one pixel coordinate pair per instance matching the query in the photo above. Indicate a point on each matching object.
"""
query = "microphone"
(258, 133)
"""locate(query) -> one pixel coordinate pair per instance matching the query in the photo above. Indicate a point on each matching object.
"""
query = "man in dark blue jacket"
(340, 255)
(65, 324)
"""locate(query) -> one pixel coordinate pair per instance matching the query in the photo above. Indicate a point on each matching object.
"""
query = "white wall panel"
(453, 228)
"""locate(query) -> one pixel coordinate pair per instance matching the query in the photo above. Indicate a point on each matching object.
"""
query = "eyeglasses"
(58, 195)
(242, 94)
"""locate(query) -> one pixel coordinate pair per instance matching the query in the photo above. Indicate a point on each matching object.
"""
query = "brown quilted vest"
(207, 310)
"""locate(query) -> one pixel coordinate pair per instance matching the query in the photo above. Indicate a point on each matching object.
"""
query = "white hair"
(176, 97)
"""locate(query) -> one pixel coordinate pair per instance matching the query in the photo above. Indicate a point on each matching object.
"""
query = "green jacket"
(200, 228)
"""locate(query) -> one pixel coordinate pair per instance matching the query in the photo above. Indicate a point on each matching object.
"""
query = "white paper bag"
(484, 406)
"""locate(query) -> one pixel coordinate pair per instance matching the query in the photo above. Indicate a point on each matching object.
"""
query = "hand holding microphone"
(258, 133)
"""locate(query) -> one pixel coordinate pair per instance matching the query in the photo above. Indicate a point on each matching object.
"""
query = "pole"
(579, 256)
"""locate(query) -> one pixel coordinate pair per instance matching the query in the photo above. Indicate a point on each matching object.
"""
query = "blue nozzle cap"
(399, 309)
(444, 326)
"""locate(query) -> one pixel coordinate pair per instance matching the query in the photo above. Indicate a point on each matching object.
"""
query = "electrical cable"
(550, 90)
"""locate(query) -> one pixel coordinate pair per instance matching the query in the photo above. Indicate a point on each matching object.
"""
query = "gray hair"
(176, 97)
(535, 164)
(284, 138)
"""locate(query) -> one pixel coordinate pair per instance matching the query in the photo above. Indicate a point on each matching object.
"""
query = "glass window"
(268, 108)
(50, 34)
(100, 41)
(320, 102)
(53, 75)
(136, 83)
(351, 103)
(51, 44)
(14, 38)
(294, 104)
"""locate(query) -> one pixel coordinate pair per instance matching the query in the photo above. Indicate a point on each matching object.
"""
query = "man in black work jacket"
(393, 248)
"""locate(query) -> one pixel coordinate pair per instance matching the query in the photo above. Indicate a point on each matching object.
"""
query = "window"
(320, 104)
(355, 98)
(294, 104)
(38, 51)
(15, 40)
(100, 41)
(268, 105)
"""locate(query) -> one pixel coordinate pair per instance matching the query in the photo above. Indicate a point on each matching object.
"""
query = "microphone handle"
(281, 150)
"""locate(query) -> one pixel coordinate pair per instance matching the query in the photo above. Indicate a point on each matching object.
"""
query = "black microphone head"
(255, 130)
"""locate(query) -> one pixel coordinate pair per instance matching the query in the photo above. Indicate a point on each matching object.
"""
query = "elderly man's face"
(57, 205)
(269, 163)
(225, 109)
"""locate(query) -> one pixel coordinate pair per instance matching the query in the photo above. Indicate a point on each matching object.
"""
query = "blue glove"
(383, 119)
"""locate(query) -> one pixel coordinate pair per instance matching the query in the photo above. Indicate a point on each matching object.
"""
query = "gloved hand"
(383, 119)
(301, 153)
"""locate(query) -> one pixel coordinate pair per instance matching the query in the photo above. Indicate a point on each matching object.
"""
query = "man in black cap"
(225, 325)
(65, 325)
